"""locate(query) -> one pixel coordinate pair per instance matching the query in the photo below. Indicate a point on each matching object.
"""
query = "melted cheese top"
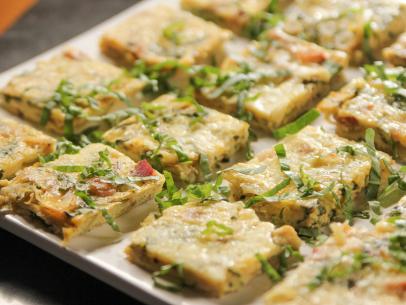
(177, 237)
(339, 24)
(374, 284)
(20, 145)
(51, 189)
(38, 86)
(312, 150)
(165, 32)
(215, 135)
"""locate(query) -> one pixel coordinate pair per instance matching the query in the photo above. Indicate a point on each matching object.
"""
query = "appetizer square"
(396, 53)
(78, 192)
(376, 101)
(181, 136)
(163, 33)
(360, 28)
(272, 81)
(61, 92)
(308, 180)
(354, 266)
(216, 245)
(231, 14)
(20, 146)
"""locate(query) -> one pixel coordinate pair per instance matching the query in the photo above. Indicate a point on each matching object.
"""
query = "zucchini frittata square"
(216, 245)
(181, 136)
(231, 14)
(78, 192)
(354, 266)
(359, 27)
(62, 91)
(163, 33)
(315, 180)
(377, 101)
(396, 53)
(20, 146)
(274, 80)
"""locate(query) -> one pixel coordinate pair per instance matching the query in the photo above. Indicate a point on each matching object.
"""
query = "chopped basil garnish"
(263, 197)
(348, 203)
(172, 196)
(374, 179)
(288, 259)
(70, 102)
(159, 280)
(110, 220)
(396, 188)
(63, 147)
(281, 154)
(267, 268)
(200, 110)
(264, 20)
(300, 123)
(366, 41)
(86, 198)
(157, 76)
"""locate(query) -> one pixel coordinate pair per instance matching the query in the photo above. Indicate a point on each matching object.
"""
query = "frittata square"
(62, 91)
(376, 101)
(231, 14)
(181, 136)
(396, 53)
(274, 80)
(216, 244)
(163, 33)
(354, 266)
(20, 146)
(308, 180)
(78, 192)
(361, 28)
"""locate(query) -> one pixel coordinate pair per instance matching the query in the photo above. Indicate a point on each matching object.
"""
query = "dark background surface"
(29, 276)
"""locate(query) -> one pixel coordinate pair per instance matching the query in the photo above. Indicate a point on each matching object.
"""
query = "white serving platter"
(100, 252)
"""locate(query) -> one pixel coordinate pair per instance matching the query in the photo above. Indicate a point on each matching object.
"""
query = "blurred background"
(29, 276)
(30, 27)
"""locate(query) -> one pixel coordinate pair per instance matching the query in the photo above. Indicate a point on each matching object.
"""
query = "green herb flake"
(198, 193)
(86, 198)
(204, 167)
(160, 281)
(280, 150)
(213, 227)
(294, 127)
(172, 32)
(267, 268)
(374, 179)
(110, 220)
(63, 146)
(366, 41)
(275, 190)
